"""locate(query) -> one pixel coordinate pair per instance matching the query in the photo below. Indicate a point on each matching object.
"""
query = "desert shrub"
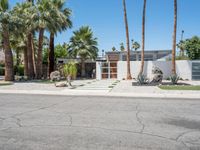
(174, 79)
(19, 70)
(142, 79)
(70, 69)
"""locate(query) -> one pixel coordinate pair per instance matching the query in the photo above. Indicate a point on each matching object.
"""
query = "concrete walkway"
(126, 88)
(98, 88)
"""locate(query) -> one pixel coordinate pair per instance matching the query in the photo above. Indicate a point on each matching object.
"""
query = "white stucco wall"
(183, 68)
(98, 70)
(135, 68)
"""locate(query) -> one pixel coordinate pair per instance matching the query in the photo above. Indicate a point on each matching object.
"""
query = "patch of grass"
(4, 83)
(179, 87)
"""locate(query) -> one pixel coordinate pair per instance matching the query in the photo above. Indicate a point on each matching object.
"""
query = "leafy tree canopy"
(61, 51)
(192, 47)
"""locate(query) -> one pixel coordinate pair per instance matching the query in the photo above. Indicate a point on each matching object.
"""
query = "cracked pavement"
(42, 122)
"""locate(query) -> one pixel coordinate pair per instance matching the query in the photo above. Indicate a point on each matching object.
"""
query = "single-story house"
(114, 65)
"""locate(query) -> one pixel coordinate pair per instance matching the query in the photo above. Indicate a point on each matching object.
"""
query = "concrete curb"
(104, 93)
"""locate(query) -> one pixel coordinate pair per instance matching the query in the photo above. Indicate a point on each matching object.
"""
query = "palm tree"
(135, 45)
(30, 45)
(174, 40)
(4, 21)
(122, 48)
(181, 45)
(127, 42)
(44, 21)
(62, 22)
(25, 13)
(18, 45)
(113, 49)
(83, 45)
(143, 37)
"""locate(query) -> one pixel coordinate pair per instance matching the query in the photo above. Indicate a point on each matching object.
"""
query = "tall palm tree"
(18, 45)
(62, 22)
(143, 37)
(83, 45)
(4, 21)
(127, 42)
(44, 20)
(30, 48)
(25, 12)
(174, 40)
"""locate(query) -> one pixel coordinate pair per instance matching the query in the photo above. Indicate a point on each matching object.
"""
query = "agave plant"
(142, 79)
(174, 79)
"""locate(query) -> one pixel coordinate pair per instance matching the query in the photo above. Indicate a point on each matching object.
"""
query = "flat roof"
(146, 51)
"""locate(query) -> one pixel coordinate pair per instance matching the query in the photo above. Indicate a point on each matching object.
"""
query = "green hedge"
(19, 70)
(2, 71)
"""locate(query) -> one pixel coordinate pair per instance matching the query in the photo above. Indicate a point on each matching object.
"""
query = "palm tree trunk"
(30, 57)
(143, 37)
(33, 55)
(174, 40)
(39, 55)
(51, 54)
(127, 42)
(25, 62)
(9, 69)
(82, 68)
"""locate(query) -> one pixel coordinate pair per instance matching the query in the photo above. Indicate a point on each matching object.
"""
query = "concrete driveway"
(34, 122)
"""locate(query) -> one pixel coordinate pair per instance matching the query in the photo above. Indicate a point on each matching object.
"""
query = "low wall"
(165, 66)
(183, 69)
(98, 70)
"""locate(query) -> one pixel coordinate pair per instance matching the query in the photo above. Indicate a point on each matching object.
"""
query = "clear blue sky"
(105, 17)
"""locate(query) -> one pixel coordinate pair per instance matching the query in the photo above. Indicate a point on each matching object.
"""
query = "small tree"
(70, 71)
(192, 47)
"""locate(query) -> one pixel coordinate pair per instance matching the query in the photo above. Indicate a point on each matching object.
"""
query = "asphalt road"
(34, 122)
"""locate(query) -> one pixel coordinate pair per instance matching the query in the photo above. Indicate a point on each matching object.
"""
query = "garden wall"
(165, 66)
(183, 69)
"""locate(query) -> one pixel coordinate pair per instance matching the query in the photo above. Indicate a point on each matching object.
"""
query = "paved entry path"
(35, 122)
(98, 85)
